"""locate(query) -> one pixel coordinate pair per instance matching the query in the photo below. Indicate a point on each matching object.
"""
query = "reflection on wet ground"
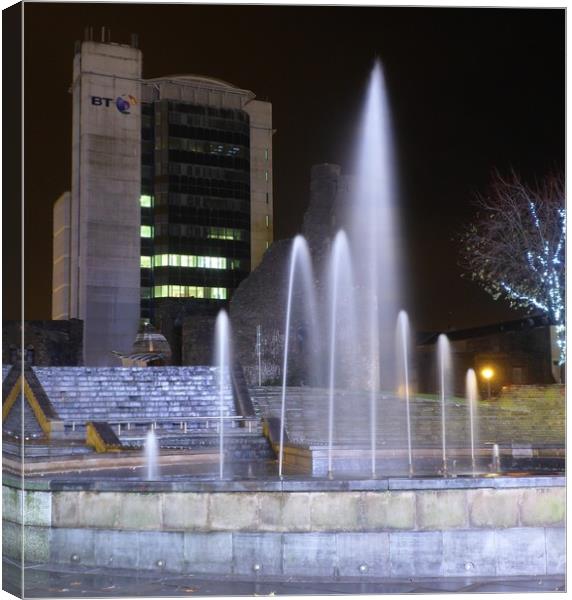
(47, 581)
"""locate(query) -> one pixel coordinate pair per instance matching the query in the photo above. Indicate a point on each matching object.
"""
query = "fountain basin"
(313, 459)
(396, 527)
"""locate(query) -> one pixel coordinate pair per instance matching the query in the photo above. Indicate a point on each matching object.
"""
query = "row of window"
(211, 111)
(216, 167)
(206, 187)
(204, 202)
(177, 118)
(227, 233)
(190, 291)
(190, 261)
(204, 147)
(196, 231)
(214, 135)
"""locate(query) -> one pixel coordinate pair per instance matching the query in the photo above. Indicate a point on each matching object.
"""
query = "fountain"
(299, 262)
(403, 336)
(152, 455)
(373, 235)
(223, 361)
(444, 373)
(472, 392)
(375, 518)
(340, 280)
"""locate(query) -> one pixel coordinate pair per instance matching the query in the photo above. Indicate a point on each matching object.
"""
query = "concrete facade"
(61, 277)
(261, 195)
(105, 213)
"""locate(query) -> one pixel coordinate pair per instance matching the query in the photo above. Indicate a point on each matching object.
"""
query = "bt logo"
(123, 103)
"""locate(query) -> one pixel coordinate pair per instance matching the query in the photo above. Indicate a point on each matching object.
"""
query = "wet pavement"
(48, 581)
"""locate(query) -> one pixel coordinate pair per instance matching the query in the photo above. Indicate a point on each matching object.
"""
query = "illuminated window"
(266, 175)
(146, 231)
(267, 221)
(190, 291)
(146, 262)
(160, 291)
(266, 153)
(146, 201)
(225, 233)
(192, 261)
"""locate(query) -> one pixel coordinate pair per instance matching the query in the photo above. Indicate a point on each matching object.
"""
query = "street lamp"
(487, 374)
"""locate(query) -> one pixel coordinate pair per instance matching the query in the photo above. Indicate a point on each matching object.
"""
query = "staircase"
(114, 394)
(519, 416)
(168, 397)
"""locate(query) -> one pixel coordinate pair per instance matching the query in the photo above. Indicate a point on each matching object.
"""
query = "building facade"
(171, 199)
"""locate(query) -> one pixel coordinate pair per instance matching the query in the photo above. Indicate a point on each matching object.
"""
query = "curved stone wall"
(385, 528)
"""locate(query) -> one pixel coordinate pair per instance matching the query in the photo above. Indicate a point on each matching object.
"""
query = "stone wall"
(261, 298)
(54, 343)
(401, 528)
(198, 340)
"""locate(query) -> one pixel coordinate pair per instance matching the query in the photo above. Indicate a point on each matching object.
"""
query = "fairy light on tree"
(515, 248)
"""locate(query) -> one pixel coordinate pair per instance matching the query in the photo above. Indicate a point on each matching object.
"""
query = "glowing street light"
(487, 374)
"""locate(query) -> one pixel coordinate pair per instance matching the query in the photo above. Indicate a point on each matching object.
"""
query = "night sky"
(472, 90)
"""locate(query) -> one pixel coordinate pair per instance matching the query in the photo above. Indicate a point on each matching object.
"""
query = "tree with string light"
(515, 248)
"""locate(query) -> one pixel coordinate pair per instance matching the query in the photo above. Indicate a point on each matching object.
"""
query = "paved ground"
(45, 581)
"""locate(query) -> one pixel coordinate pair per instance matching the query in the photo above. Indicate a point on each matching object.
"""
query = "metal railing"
(170, 426)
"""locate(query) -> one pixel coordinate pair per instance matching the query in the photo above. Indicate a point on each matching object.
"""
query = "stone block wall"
(434, 531)
(54, 343)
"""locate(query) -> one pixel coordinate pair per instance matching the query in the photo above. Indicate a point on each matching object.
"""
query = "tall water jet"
(403, 336)
(342, 315)
(299, 262)
(374, 235)
(444, 368)
(222, 360)
(472, 394)
(152, 455)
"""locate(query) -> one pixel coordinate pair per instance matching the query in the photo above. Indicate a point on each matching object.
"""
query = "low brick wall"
(477, 531)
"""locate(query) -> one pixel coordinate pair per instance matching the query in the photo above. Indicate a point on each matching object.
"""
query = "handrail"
(139, 420)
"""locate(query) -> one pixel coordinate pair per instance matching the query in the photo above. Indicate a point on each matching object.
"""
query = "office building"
(171, 199)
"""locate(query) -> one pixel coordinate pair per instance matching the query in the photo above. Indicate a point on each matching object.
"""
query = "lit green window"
(190, 291)
(217, 293)
(185, 261)
(146, 231)
(146, 201)
(225, 233)
(161, 260)
(266, 153)
(145, 262)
